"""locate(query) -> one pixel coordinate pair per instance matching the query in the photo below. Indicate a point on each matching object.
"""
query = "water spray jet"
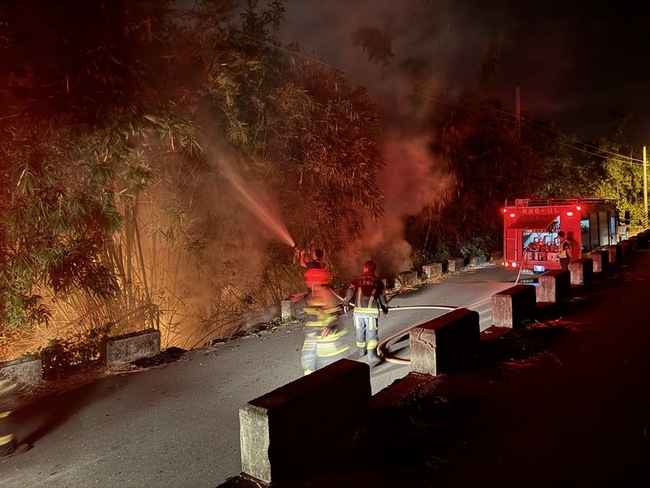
(264, 211)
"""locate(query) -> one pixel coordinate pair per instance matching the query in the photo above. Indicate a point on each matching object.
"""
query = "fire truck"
(530, 228)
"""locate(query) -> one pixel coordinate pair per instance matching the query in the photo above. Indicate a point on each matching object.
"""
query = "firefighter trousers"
(367, 333)
(319, 351)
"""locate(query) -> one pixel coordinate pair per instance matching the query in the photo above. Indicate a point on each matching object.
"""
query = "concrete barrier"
(634, 243)
(622, 249)
(26, 372)
(293, 307)
(406, 277)
(31, 371)
(612, 254)
(554, 286)
(131, 347)
(513, 306)
(455, 264)
(477, 261)
(581, 271)
(303, 427)
(600, 261)
(432, 270)
(645, 238)
(445, 344)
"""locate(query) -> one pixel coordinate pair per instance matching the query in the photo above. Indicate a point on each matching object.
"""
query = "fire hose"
(382, 348)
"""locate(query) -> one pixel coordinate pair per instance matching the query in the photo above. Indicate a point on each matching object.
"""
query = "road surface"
(177, 425)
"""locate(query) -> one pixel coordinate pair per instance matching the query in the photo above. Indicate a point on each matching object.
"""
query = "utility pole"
(518, 111)
(645, 190)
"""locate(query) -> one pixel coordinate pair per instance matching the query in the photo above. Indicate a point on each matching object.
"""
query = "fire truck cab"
(530, 229)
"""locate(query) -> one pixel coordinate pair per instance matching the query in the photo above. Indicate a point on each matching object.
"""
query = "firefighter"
(315, 273)
(369, 297)
(534, 248)
(564, 252)
(543, 249)
(316, 261)
(8, 441)
(324, 343)
(575, 252)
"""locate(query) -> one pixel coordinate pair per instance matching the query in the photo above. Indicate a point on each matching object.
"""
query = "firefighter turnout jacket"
(324, 339)
(367, 294)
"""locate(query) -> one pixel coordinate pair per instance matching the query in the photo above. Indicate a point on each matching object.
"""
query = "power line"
(616, 157)
(599, 152)
(630, 160)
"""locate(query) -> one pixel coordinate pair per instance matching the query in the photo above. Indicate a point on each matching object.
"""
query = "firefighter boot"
(373, 358)
(362, 351)
(8, 445)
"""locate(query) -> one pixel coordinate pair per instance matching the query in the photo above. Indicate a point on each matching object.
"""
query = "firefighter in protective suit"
(324, 342)
(8, 442)
(369, 297)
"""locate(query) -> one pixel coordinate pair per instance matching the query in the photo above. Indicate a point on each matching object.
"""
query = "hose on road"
(382, 349)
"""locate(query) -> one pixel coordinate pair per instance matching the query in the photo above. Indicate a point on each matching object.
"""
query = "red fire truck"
(530, 229)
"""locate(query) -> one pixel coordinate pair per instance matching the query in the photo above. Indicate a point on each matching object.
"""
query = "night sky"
(576, 63)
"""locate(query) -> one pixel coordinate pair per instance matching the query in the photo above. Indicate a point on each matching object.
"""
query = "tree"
(123, 213)
(77, 145)
(622, 175)
(489, 164)
(374, 43)
(304, 129)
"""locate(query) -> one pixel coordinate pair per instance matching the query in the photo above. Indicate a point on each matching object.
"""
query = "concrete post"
(554, 286)
(581, 271)
(445, 344)
(300, 428)
(513, 306)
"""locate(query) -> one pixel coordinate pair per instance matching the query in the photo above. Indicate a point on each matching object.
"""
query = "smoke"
(426, 44)
(412, 180)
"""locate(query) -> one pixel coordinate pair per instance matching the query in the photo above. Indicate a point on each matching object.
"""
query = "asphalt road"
(177, 425)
